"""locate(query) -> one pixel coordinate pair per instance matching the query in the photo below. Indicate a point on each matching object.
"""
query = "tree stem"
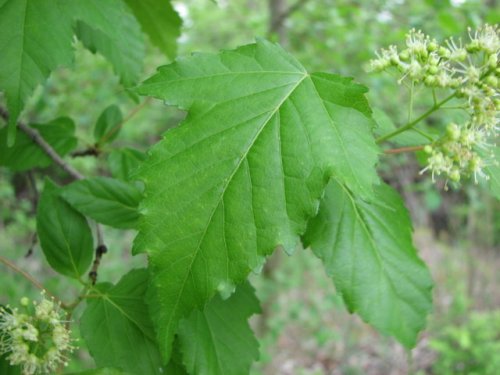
(47, 148)
(28, 277)
(403, 149)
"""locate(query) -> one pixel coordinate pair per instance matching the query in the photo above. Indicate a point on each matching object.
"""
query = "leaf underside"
(159, 21)
(245, 170)
(367, 249)
(109, 28)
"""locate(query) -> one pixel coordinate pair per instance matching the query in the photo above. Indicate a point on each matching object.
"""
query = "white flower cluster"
(453, 154)
(472, 71)
(37, 340)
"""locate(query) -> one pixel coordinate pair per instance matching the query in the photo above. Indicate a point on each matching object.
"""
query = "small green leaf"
(367, 249)
(106, 200)
(219, 340)
(108, 124)
(123, 161)
(26, 154)
(159, 21)
(117, 329)
(64, 234)
(245, 170)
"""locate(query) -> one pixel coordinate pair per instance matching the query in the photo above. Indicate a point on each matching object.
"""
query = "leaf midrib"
(262, 72)
(228, 181)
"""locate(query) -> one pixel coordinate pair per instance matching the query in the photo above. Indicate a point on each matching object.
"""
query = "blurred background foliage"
(304, 328)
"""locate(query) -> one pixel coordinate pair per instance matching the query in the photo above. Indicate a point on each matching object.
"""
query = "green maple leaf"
(367, 249)
(35, 38)
(245, 171)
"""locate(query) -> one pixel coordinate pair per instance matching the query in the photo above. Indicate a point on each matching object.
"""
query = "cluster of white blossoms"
(472, 71)
(36, 339)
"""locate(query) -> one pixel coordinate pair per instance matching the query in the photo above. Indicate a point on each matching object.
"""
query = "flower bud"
(492, 81)
(36, 342)
(453, 131)
(432, 46)
(443, 52)
(454, 175)
(432, 69)
(404, 55)
(493, 61)
(430, 80)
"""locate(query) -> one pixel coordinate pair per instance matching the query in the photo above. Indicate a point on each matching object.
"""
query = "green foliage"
(385, 125)
(6, 369)
(255, 116)
(106, 200)
(25, 154)
(102, 371)
(36, 37)
(218, 340)
(269, 155)
(492, 170)
(64, 234)
(125, 336)
(123, 161)
(109, 28)
(471, 348)
(28, 55)
(367, 249)
(159, 21)
(108, 124)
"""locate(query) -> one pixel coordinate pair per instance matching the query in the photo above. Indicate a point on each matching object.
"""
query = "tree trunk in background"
(277, 10)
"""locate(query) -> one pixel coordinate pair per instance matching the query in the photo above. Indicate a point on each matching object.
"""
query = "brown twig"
(91, 151)
(99, 252)
(34, 241)
(28, 277)
(47, 148)
(403, 149)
